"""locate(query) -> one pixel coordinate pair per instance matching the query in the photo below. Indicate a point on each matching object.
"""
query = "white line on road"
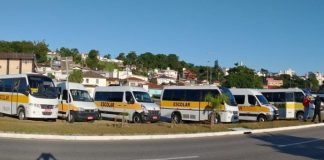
(174, 158)
(298, 143)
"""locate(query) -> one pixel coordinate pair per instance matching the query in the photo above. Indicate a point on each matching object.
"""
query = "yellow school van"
(253, 106)
(188, 103)
(76, 103)
(28, 96)
(288, 101)
(135, 101)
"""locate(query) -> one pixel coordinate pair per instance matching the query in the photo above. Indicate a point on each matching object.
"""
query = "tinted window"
(109, 96)
(252, 100)
(268, 96)
(206, 92)
(129, 97)
(7, 85)
(278, 97)
(239, 99)
(80, 95)
(178, 95)
(289, 97)
(229, 94)
(299, 96)
(167, 95)
(64, 95)
(142, 97)
(193, 95)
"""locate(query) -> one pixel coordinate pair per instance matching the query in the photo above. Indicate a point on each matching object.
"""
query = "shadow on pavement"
(312, 148)
(46, 156)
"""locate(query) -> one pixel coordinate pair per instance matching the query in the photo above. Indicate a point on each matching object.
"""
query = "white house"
(165, 79)
(92, 79)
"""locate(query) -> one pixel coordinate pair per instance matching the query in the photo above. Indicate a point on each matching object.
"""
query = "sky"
(271, 34)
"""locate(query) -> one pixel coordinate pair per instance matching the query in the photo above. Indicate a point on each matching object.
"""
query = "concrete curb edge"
(148, 137)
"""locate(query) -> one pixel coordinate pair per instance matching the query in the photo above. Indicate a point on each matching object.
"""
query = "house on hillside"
(92, 79)
(133, 81)
(17, 63)
(163, 79)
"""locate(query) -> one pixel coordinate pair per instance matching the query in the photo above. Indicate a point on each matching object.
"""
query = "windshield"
(80, 95)
(229, 94)
(42, 87)
(262, 99)
(142, 97)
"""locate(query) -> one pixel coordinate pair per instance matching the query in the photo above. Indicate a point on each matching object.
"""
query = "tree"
(313, 82)
(108, 56)
(92, 60)
(131, 58)
(242, 77)
(76, 76)
(121, 57)
(214, 105)
(50, 75)
(66, 52)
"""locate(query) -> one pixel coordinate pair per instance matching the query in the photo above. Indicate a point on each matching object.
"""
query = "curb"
(149, 137)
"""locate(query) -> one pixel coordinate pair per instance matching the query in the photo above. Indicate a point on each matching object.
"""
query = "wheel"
(300, 116)
(21, 114)
(137, 118)
(70, 117)
(176, 117)
(262, 118)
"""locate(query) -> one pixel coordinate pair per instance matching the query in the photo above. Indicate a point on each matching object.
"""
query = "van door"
(14, 96)
(64, 102)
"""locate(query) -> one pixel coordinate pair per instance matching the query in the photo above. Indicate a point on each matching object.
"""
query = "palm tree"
(214, 105)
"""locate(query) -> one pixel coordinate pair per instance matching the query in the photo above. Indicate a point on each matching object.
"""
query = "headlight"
(34, 105)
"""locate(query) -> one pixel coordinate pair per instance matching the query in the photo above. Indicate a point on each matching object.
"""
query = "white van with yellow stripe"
(189, 103)
(28, 96)
(113, 101)
(253, 106)
(289, 102)
(76, 103)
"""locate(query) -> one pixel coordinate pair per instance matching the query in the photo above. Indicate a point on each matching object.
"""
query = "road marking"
(173, 158)
(298, 143)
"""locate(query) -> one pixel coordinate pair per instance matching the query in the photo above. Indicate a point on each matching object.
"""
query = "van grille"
(45, 106)
(153, 112)
(89, 110)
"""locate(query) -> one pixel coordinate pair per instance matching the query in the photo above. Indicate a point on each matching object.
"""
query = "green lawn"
(103, 127)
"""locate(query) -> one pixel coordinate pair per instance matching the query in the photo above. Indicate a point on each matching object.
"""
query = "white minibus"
(76, 103)
(113, 101)
(253, 106)
(28, 96)
(189, 103)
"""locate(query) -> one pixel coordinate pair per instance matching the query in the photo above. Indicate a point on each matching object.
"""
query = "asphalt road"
(296, 144)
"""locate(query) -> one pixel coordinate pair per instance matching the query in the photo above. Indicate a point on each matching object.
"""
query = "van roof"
(244, 91)
(71, 85)
(282, 90)
(191, 87)
(119, 88)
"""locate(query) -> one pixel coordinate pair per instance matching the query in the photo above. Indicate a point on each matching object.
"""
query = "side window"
(299, 96)
(167, 95)
(115, 96)
(252, 100)
(239, 99)
(22, 87)
(8, 85)
(206, 92)
(178, 95)
(268, 96)
(1, 86)
(289, 97)
(64, 95)
(193, 95)
(129, 97)
(279, 97)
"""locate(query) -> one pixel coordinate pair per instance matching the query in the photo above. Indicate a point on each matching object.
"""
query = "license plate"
(154, 117)
(47, 110)
(90, 118)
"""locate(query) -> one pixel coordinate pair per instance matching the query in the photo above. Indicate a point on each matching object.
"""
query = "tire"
(137, 118)
(176, 117)
(262, 118)
(21, 114)
(300, 116)
(70, 117)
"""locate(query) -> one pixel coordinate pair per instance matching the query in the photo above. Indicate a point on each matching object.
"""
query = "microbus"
(28, 96)
(189, 103)
(253, 106)
(76, 103)
(288, 101)
(135, 101)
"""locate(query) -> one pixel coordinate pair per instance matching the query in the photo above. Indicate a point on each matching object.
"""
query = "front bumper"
(86, 115)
